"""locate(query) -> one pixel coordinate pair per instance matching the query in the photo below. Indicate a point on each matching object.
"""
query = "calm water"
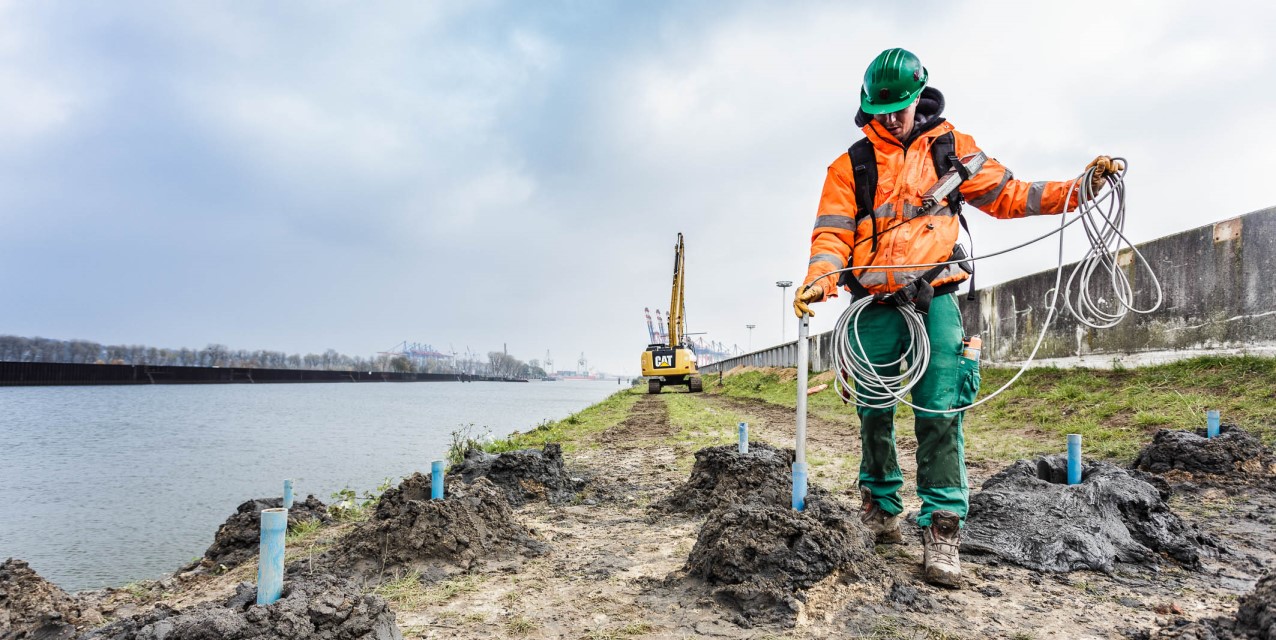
(107, 485)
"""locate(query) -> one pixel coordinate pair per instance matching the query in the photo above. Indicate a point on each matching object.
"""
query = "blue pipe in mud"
(1211, 423)
(743, 428)
(436, 480)
(270, 562)
(799, 450)
(287, 494)
(1074, 458)
(799, 486)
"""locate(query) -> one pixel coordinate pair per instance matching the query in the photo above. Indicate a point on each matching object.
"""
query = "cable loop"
(1102, 216)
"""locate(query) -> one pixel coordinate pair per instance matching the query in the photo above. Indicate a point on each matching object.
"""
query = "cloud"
(299, 176)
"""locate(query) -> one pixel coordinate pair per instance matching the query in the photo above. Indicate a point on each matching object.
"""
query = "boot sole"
(952, 582)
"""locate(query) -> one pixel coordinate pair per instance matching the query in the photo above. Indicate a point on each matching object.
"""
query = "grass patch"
(409, 592)
(573, 430)
(303, 531)
(620, 633)
(1116, 411)
(697, 425)
(520, 626)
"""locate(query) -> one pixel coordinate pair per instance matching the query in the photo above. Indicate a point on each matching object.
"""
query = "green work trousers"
(949, 381)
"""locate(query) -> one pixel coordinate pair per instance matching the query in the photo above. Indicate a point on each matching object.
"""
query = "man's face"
(899, 123)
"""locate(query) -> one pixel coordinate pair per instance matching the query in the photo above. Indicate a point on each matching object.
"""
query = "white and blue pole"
(1211, 423)
(287, 494)
(1074, 458)
(743, 429)
(270, 560)
(436, 480)
(799, 462)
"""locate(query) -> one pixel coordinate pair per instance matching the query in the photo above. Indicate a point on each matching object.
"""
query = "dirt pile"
(237, 538)
(1255, 619)
(1233, 454)
(1029, 515)
(760, 557)
(319, 607)
(410, 532)
(754, 550)
(32, 607)
(524, 475)
(722, 476)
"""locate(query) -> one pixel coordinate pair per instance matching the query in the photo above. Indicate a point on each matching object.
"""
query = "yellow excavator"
(673, 363)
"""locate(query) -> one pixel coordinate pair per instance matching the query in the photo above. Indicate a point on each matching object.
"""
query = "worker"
(880, 226)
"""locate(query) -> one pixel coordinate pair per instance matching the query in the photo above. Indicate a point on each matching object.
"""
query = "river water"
(107, 485)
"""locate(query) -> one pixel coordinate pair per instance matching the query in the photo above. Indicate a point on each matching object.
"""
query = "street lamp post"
(750, 328)
(783, 284)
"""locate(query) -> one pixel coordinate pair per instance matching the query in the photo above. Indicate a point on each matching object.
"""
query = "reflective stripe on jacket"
(905, 236)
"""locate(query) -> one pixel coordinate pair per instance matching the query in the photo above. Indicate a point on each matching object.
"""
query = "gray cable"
(1103, 218)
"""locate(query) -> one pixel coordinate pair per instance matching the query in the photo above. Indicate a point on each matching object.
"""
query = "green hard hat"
(893, 80)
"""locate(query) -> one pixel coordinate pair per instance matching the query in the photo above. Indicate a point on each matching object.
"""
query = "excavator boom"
(673, 362)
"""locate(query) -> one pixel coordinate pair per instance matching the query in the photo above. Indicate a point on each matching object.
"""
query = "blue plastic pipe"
(799, 449)
(270, 562)
(743, 428)
(436, 480)
(799, 486)
(1074, 458)
(287, 494)
(1211, 423)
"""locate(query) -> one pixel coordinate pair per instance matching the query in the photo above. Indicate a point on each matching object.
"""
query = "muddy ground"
(612, 564)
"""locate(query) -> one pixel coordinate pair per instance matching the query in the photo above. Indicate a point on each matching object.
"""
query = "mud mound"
(760, 557)
(1233, 453)
(1028, 515)
(32, 607)
(237, 538)
(410, 532)
(722, 476)
(319, 607)
(525, 475)
(1255, 619)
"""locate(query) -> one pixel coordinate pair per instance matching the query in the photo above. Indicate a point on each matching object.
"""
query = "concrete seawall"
(23, 374)
(1219, 282)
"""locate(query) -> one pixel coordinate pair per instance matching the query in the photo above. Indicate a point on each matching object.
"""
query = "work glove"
(1103, 166)
(804, 297)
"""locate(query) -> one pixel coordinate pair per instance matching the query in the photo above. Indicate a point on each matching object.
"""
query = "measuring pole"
(799, 463)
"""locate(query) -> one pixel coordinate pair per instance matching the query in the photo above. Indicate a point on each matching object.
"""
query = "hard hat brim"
(886, 107)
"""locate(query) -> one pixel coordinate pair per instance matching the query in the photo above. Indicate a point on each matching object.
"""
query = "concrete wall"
(1219, 283)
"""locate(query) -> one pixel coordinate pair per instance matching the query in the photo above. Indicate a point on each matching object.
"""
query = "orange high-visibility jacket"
(905, 236)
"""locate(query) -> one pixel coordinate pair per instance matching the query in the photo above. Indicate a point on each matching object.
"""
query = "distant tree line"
(20, 349)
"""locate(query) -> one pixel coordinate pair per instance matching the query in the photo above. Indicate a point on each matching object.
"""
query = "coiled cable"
(1102, 214)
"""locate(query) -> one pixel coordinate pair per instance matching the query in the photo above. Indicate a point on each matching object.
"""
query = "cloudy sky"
(301, 176)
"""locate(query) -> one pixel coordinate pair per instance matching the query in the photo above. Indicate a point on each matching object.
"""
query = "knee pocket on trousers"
(968, 380)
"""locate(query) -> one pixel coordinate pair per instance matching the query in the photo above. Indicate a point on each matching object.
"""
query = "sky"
(480, 175)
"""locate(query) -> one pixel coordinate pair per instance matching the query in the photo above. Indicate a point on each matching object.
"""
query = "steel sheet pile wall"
(1219, 298)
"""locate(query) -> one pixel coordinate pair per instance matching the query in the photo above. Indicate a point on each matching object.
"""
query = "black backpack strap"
(864, 168)
(943, 152)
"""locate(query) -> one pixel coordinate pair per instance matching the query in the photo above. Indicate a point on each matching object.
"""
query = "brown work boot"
(884, 526)
(940, 541)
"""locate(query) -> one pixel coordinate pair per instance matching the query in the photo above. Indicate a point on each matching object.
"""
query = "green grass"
(409, 592)
(303, 531)
(1116, 411)
(571, 431)
(697, 425)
